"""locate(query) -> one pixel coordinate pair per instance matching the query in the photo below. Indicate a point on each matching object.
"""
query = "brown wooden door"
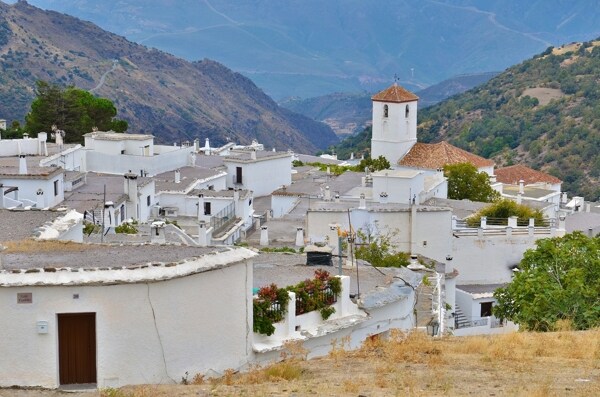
(77, 348)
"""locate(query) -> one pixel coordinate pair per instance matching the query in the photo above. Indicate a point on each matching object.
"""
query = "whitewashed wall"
(282, 205)
(487, 259)
(28, 189)
(262, 176)
(395, 135)
(71, 159)
(150, 332)
(122, 163)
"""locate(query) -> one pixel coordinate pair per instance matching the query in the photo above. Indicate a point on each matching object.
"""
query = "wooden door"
(77, 348)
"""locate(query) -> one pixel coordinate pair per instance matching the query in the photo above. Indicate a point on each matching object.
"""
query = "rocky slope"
(155, 92)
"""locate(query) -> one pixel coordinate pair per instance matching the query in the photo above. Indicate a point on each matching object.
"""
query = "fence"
(304, 304)
(223, 218)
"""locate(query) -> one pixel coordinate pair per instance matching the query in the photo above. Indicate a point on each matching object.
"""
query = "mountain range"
(308, 48)
(348, 113)
(543, 112)
(157, 93)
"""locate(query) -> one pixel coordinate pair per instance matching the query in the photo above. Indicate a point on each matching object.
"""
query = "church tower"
(394, 123)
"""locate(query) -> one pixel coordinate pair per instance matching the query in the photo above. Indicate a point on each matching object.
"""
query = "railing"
(222, 219)
(480, 322)
(325, 295)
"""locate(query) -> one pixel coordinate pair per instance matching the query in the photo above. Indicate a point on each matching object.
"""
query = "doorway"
(77, 348)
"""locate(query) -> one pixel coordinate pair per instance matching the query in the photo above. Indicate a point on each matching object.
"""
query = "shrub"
(126, 228)
(504, 209)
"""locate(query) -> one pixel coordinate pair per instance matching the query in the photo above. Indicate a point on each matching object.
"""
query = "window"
(238, 174)
(486, 309)
(385, 110)
(206, 208)
(123, 151)
(56, 188)
(211, 187)
(148, 201)
(406, 111)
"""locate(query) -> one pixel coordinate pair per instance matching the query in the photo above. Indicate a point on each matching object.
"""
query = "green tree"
(73, 110)
(378, 164)
(504, 209)
(558, 280)
(465, 182)
(378, 250)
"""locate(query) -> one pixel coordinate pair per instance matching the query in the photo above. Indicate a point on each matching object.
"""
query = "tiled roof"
(437, 155)
(395, 93)
(513, 174)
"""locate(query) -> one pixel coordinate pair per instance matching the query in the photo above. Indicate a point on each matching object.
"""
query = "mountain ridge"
(156, 92)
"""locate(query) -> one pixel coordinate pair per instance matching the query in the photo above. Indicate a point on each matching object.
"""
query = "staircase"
(460, 320)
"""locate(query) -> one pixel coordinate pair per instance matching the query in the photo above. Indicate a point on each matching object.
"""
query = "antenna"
(396, 78)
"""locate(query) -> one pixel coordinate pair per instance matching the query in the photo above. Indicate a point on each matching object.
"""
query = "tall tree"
(465, 182)
(73, 110)
(559, 280)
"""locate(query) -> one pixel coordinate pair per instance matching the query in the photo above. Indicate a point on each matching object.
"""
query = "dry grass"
(31, 246)
(565, 363)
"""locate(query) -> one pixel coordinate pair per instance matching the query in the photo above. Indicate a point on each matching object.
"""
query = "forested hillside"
(544, 112)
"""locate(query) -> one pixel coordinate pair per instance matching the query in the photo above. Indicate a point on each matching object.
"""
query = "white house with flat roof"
(260, 171)
(78, 317)
(117, 153)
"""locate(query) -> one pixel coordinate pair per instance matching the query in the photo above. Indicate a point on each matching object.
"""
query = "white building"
(408, 186)
(115, 153)
(162, 306)
(262, 172)
(394, 123)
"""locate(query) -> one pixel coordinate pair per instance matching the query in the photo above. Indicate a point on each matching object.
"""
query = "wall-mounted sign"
(24, 297)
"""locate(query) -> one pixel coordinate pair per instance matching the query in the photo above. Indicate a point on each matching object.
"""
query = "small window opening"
(207, 208)
(486, 309)
(385, 110)
(407, 111)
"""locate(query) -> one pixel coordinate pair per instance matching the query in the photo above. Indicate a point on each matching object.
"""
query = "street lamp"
(432, 327)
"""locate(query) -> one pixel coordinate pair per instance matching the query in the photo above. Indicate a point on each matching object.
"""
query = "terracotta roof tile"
(513, 174)
(395, 93)
(437, 155)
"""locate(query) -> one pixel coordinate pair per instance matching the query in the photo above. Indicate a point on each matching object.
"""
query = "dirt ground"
(519, 364)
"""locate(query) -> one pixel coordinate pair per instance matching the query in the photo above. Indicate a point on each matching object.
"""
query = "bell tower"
(394, 123)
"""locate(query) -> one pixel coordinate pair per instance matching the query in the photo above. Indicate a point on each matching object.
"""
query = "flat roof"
(117, 136)
(59, 263)
(528, 191)
(21, 224)
(165, 181)
(398, 173)
(261, 155)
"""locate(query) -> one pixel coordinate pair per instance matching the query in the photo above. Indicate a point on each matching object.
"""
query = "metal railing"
(325, 295)
(223, 218)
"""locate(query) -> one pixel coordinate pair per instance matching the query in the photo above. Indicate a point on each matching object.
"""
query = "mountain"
(544, 112)
(351, 113)
(155, 92)
(309, 48)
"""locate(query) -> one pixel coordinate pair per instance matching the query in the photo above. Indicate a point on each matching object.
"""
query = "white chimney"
(131, 189)
(200, 207)
(39, 196)
(157, 232)
(363, 202)
(253, 154)
(521, 186)
(202, 236)
(177, 176)
(327, 194)
(337, 197)
(299, 237)
(206, 146)
(352, 156)
(264, 235)
(196, 144)
(564, 198)
(383, 197)
(22, 165)
(42, 147)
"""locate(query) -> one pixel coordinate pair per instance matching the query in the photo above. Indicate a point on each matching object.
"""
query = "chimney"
(39, 196)
(264, 235)
(564, 198)
(299, 237)
(157, 232)
(131, 189)
(327, 194)
(337, 197)
(42, 147)
(521, 186)
(200, 207)
(253, 154)
(177, 176)
(352, 156)
(588, 207)
(202, 236)
(363, 202)
(383, 197)
(206, 146)
(22, 165)
(196, 144)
